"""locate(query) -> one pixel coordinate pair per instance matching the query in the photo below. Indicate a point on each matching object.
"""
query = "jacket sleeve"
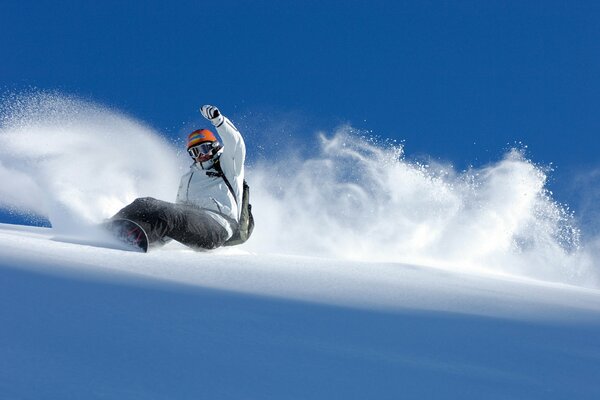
(233, 157)
(234, 149)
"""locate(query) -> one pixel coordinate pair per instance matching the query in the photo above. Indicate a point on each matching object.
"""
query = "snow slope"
(368, 275)
(88, 322)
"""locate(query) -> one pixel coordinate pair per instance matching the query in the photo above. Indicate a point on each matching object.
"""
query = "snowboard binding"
(129, 233)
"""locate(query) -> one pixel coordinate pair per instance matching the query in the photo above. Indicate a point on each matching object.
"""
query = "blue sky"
(460, 81)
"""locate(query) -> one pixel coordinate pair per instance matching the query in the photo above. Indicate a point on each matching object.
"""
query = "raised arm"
(234, 148)
(227, 131)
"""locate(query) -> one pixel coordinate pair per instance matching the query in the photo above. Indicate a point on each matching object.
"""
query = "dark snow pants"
(186, 224)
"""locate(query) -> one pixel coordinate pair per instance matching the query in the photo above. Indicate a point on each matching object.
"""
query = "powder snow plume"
(351, 198)
(75, 162)
(356, 199)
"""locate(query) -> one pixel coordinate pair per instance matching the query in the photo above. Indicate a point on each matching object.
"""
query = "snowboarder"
(209, 201)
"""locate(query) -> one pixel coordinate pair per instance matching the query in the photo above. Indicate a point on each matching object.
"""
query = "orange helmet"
(200, 136)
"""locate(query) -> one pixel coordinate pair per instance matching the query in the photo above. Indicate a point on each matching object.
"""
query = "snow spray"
(360, 200)
(77, 163)
(351, 198)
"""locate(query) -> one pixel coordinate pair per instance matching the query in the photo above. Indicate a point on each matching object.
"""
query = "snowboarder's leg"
(188, 225)
(151, 214)
(198, 230)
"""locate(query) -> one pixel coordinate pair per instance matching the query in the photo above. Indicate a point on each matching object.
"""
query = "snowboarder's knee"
(145, 200)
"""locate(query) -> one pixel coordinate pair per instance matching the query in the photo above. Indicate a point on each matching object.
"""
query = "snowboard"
(129, 233)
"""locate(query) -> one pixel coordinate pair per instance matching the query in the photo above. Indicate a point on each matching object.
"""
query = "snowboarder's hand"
(212, 114)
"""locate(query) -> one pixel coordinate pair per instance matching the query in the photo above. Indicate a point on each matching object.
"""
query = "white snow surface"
(80, 321)
(368, 275)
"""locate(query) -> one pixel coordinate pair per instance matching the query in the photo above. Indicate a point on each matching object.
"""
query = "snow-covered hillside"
(88, 322)
(368, 275)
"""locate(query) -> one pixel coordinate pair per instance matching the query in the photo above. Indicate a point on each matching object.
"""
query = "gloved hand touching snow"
(212, 114)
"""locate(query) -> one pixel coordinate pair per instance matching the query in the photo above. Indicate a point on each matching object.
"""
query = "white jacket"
(211, 192)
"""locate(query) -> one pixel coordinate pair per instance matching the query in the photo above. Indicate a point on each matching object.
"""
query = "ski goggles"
(201, 150)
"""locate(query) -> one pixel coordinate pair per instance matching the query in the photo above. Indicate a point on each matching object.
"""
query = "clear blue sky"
(458, 80)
